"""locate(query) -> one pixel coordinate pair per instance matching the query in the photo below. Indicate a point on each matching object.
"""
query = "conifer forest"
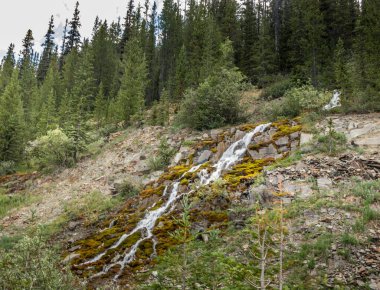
(198, 144)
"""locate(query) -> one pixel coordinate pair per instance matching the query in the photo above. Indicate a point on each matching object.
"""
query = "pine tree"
(7, 66)
(47, 52)
(12, 122)
(72, 39)
(27, 52)
(130, 99)
(128, 23)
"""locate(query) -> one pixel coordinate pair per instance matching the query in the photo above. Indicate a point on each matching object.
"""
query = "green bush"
(214, 103)
(277, 89)
(165, 154)
(297, 100)
(331, 142)
(128, 189)
(7, 167)
(54, 148)
(31, 264)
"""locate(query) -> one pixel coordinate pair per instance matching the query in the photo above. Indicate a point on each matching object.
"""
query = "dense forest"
(150, 59)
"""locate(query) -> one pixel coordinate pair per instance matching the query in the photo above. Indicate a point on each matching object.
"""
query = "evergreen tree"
(12, 122)
(128, 23)
(72, 39)
(130, 99)
(7, 66)
(27, 52)
(48, 46)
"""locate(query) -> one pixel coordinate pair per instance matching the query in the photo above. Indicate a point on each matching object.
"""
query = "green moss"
(247, 170)
(150, 191)
(215, 216)
(184, 181)
(174, 173)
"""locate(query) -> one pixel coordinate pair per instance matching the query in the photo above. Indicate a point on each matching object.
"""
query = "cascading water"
(230, 157)
(334, 102)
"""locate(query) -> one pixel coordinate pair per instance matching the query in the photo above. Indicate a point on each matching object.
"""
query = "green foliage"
(9, 202)
(165, 153)
(7, 167)
(348, 239)
(159, 113)
(214, 103)
(54, 148)
(128, 189)
(33, 264)
(297, 100)
(12, 122)
(90, 206)
(277, 89)
(331, 142)
(130, 99)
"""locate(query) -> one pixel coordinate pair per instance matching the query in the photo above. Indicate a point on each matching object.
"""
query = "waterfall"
(230, 157)
(334, 102)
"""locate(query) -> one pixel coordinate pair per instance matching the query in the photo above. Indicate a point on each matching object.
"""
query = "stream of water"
(229, 158)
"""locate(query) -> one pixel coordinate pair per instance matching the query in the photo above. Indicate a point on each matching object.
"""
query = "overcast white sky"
(17, 16)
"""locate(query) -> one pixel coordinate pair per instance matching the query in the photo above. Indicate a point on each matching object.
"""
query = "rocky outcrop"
(209, 208)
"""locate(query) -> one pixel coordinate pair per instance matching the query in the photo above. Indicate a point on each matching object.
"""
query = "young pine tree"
(130, 98)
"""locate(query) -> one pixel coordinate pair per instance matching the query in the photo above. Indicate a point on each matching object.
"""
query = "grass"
(348, 239)
(8, 242)
(9, 202)
(290, 160)
(90, 207)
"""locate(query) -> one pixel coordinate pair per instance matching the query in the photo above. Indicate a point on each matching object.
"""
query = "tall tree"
(48, 46)
(72, 39)
(130, 99)
(7, 66)
(12, 122)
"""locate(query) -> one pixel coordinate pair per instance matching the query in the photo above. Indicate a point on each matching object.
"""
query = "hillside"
(326, 200)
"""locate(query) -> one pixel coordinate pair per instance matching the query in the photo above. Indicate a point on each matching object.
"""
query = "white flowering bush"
(54, 148)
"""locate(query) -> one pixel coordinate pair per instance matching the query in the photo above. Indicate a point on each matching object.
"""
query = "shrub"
(54, 148)
(165, 153)
(7, 167)
(214, 103)
(277, 89)
(33, 265)
(331, 142)
(128, 189)
(297, 100)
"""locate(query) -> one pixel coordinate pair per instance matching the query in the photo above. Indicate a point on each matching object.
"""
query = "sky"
(17, 16)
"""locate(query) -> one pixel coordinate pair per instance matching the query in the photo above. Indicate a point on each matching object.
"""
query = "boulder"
(204, 157)
(295, 135)
(362, 131)
(220, 150)
(267, 152)
(254, 154)
(215, 134)
(238, 135)
(282, 141)
(283, 149)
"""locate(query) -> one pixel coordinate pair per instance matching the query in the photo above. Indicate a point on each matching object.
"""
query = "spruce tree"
(12, 122)
(7, 66)
(48, 46)
(130, 99)
(72, 39)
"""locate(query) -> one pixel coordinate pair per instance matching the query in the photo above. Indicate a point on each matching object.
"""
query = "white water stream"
(230, 157)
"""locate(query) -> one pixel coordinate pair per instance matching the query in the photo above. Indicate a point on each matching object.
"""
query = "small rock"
(324, 183)
(204, 157)
(282, 141)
